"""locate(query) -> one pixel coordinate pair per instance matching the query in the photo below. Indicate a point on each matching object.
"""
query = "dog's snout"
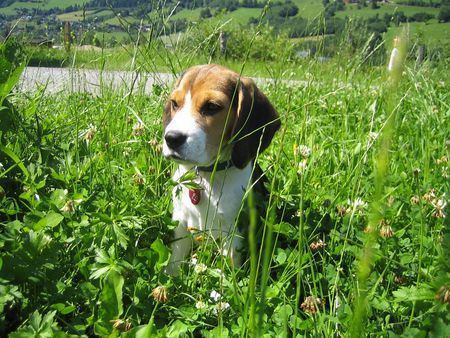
(174, 139)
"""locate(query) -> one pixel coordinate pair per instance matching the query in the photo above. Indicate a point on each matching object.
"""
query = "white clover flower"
(215, 296)
(220, 307)
(359, 204)
(200, 268)
(200, 305)
(194, 260)
(305, 151)
(439, 207)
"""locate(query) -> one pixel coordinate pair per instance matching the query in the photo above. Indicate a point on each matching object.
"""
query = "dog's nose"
(175, 139)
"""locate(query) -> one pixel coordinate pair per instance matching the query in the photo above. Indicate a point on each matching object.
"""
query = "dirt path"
(55, 80)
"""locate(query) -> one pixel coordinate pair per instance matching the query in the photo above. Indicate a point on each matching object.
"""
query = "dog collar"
(220, 166)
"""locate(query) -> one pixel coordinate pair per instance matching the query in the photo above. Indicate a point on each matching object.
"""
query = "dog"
(215, 124)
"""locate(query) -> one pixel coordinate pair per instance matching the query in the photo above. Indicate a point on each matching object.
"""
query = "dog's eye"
(174, 104)
(210, 108)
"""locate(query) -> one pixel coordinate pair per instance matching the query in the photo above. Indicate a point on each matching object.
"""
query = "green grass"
(85, 209)
(432, 33)
(11, 9)
(308, 9)
(90, 14)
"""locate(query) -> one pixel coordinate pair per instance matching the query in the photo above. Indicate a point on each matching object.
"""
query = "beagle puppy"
(215, 124)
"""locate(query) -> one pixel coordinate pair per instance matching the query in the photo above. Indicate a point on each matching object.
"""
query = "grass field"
(432, 33)
(354, 242)
(42, 4)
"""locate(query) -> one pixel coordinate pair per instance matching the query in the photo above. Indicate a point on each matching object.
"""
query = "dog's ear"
(255, 125)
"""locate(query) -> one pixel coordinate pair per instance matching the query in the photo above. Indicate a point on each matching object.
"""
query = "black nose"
(174, 139)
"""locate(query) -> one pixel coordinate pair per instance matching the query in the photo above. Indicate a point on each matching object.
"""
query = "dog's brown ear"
(255, 125)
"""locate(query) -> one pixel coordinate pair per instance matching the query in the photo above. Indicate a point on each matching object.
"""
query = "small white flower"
(200, 305)
(194, 260)
(358, 204)
(1, 167)
(215, 296)
(302, 167)
(439, 206)
(305, 151)
(36, 197)
(221, 306)
(200, 268)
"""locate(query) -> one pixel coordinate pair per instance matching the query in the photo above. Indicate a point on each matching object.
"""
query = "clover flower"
(318, 245)
(200, 305)
(443, 294)
(311, 304)
(304, 150)
(386, 231)
(138, 128)
(215, 296)
(121, 325)
(200, 268)
(160, 294)
(221, 307)
(414, 199)
(439, 207)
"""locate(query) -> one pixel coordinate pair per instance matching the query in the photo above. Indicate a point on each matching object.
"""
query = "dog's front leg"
(181, 246)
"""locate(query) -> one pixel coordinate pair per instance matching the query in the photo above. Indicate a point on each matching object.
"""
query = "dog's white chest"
(219, 202)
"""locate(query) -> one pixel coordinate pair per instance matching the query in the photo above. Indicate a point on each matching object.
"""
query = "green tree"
(444, 14)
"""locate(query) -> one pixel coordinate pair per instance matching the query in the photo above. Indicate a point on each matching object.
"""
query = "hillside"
(115, 21)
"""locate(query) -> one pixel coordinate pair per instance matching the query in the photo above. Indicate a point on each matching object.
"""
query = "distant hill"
(296, 18)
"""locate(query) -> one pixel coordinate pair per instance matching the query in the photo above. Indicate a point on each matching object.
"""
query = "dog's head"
(212, 111)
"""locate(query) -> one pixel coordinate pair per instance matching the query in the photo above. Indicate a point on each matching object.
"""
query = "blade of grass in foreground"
(366, 258)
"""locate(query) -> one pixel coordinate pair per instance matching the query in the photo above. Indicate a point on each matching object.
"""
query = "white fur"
(194, 149)
(214, 217)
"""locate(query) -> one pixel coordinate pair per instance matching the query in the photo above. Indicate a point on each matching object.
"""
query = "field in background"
(85, 207)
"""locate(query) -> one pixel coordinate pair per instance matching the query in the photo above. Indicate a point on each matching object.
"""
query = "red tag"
(194, 195)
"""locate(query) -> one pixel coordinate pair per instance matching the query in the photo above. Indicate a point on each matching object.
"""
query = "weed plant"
(85, 211)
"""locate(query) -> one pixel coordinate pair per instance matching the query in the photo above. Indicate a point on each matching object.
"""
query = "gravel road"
(56, 80)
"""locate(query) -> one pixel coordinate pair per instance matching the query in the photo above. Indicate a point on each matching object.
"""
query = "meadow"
(353, 242)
